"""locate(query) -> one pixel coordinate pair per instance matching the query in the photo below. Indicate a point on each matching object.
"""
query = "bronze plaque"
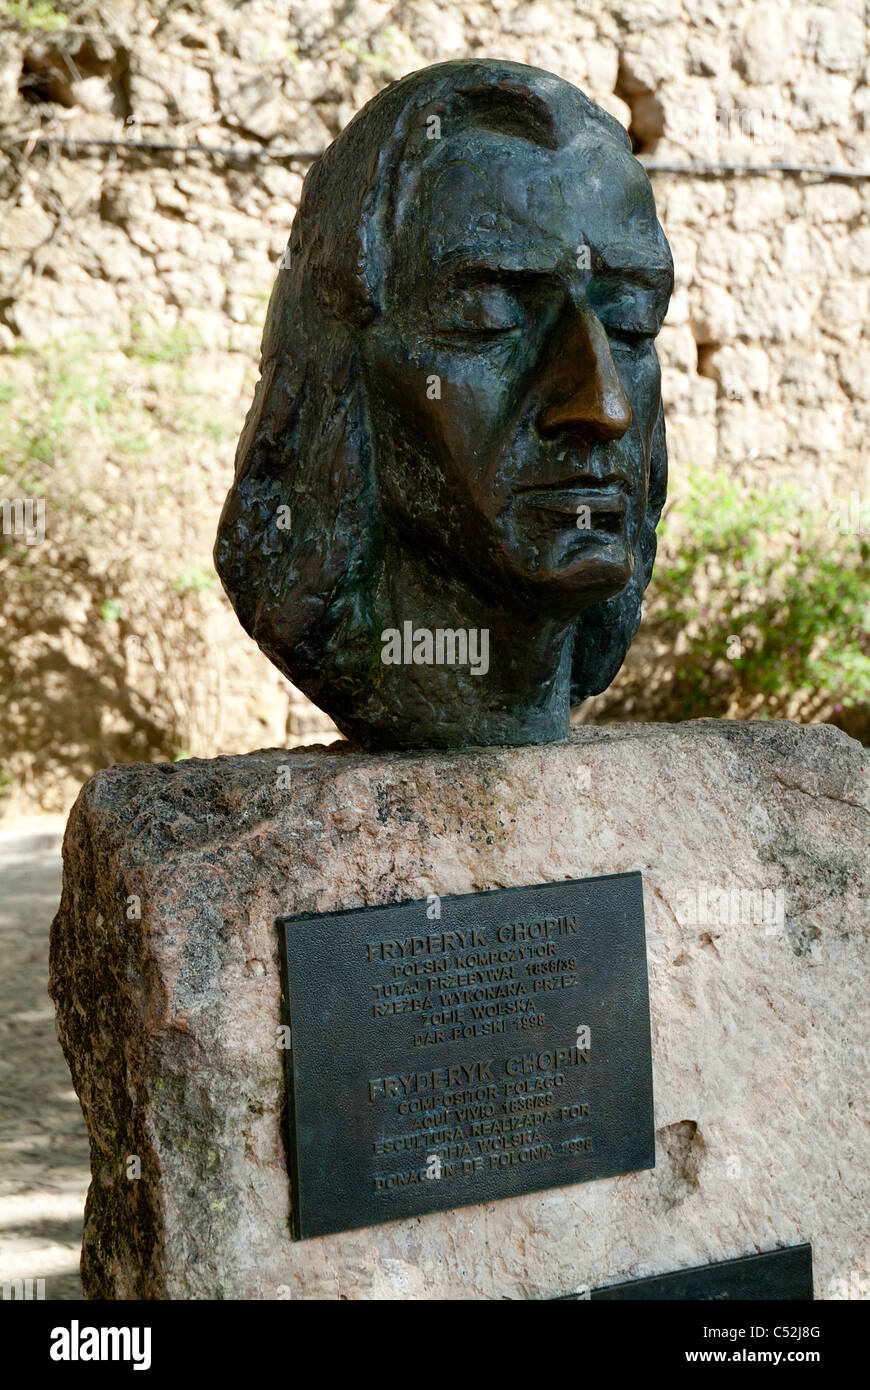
(782, 1275)
(458, 1050)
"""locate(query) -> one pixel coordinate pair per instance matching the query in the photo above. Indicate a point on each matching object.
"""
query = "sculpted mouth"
(579, 482)
(606, 498)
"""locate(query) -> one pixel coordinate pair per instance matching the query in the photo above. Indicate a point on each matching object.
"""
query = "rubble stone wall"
(765, 359)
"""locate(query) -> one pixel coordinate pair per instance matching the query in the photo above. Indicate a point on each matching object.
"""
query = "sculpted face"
(459, 406)
(512, 381)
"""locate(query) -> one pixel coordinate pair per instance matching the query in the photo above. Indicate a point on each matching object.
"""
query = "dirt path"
(43, 1144)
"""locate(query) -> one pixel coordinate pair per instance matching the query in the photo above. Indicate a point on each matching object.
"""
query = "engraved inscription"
(496, 1056)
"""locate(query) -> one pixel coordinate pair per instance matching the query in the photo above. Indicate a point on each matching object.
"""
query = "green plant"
(155, 345)
(770, 601)
(135, 393)
(34, 14)
(378, 59)
(72, 390)
(193, 580)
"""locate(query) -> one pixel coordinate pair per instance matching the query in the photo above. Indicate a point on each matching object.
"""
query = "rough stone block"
(752, 842)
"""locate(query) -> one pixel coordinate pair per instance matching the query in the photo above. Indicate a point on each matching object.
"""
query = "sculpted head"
(458, 424)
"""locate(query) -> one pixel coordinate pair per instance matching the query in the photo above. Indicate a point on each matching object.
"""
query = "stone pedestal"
(753, 844)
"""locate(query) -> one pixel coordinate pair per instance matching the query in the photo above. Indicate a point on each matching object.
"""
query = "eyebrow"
(529, 262)
(504, 260)
(619, 259)
(650, 277)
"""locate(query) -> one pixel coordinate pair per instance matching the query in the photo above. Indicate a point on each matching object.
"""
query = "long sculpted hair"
(304, 591)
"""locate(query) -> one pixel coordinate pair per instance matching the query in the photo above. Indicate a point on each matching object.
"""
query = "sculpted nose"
(583, 386)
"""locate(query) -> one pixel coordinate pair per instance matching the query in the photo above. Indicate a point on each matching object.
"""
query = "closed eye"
(629, 312)
(633, 336)
(477, 335)
(479, 310)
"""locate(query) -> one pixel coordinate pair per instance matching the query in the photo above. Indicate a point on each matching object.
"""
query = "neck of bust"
(508, 681)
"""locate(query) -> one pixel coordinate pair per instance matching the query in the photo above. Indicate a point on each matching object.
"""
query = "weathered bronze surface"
(776, 1274)
(500, 1048)
(443, 517)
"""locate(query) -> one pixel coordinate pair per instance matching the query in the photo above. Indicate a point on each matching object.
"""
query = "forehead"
(503, 200)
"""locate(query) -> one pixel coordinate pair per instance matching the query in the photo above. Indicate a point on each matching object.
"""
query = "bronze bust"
(443, 516)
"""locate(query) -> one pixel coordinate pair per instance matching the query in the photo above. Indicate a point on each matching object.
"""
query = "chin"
(593, 570)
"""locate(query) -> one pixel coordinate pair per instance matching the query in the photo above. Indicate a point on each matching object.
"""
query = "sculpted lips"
(605, 497)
